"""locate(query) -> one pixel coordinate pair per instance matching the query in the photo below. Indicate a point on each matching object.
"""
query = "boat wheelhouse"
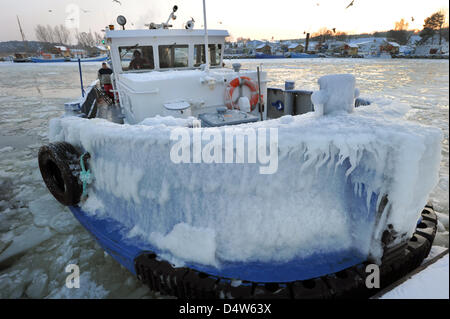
(169, 78)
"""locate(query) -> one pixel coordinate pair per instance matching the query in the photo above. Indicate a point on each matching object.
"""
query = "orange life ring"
(254, 99)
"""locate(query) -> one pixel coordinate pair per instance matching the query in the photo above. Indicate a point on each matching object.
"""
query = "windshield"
(215, 54)
(136, 58)
(173, 56)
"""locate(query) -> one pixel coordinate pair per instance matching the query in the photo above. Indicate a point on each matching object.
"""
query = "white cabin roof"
(121, 34)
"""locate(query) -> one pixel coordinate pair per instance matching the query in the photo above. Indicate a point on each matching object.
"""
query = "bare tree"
(98, 38)
(62, 34)
(50, 34)
(401, 25)
(42, 33)
(341, 36)
(323, 34)
(85, 40)
(400, 34)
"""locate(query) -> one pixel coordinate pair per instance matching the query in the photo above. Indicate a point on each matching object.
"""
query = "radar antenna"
(164, 25)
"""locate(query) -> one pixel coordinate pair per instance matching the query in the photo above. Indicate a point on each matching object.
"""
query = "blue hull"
(111, 236)
(303, 56)
(269, 56)
(38, 60)
(98, 59)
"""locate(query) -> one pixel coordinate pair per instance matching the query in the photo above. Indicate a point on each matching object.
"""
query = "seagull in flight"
(85, 11)
(117, 1)
(351, 3)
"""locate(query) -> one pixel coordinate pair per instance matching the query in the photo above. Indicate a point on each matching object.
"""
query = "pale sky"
(256, 19)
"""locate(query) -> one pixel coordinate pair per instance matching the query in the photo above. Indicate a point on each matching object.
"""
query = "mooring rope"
(85, 175)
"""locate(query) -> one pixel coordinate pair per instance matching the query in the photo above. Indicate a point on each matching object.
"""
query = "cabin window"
(137, 58)
(215, 54)
(173, 56)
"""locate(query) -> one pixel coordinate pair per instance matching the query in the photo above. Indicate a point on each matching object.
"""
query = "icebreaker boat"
(203, 182)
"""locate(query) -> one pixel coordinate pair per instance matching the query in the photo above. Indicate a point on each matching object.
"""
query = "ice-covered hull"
(112, 236)
(343, 183)
(198, 282)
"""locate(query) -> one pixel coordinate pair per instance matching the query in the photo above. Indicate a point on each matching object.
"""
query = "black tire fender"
(60, 170)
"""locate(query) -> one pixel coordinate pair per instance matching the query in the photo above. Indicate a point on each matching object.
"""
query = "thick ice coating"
(337, 93)
(326, 196)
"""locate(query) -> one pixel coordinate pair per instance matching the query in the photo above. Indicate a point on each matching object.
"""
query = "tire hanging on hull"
(60, 168)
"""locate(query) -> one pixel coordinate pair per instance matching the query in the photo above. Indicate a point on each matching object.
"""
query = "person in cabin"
(164, 58)
(104, 75)
(138, 61)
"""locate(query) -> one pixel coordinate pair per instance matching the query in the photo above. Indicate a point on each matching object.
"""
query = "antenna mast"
(206, 36)
(20, 28)
(23, 34)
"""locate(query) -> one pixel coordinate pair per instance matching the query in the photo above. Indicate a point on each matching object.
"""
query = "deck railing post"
(81, 77)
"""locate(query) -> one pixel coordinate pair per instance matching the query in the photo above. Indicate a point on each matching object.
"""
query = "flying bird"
(85, 11)
(351, 3)
(117, 1)
(412, 19)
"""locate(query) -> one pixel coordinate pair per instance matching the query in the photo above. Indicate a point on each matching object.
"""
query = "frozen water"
(38, 92)
(38, 284)
(30, 238)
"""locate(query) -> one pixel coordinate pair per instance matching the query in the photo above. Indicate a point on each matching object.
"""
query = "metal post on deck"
(206, 37)
(259, 95)
(81, 77)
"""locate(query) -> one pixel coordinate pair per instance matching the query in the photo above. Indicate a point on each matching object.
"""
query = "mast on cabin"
(206, 37)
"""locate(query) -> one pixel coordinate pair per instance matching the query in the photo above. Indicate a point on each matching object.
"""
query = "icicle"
(368, 198)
